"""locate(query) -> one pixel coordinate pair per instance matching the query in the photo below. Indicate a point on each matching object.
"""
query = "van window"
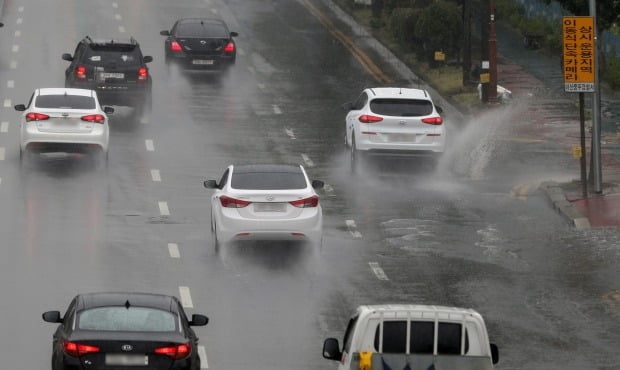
(421, 337)
(394, 337)
(422, 334)
(348, 335)
(449, 339)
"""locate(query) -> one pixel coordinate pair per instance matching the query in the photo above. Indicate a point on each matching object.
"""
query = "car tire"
(216, 241)
(355, 157)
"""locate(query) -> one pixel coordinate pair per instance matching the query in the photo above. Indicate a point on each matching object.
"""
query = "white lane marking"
(118, 17)
(204, 363)
(379, 273)
(186, 298)
(2, 151)
(121, 29)
(10, 84)
(329, 190)
(20, 9)
(261, 86)
(114, 5)
(163, 209)
(19, 20)
(213, 10)
(4, 126)
(241, 52)
(252, 70)
(276, 109)
(149, 145)
(15, 48)
(13, 64)
(155, 175)
(290, 133)
(173, 249)
(353, 229)
(7, 103)
(18, 33)
(308, 161)
(0, 180)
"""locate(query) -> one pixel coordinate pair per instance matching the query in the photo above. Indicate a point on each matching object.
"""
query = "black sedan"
(124, 330)
(200, 43)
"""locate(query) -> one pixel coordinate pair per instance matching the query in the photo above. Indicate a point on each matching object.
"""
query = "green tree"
(440, 27)
(607, 11)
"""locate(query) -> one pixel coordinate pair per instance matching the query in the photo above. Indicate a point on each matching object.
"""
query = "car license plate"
(203, 61)
(269, 207)
(105, 75)
(119, 359)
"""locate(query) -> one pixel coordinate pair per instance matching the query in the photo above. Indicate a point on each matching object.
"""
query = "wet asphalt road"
(474, 233)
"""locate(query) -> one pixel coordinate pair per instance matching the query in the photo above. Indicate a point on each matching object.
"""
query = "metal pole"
(492, 56)
(582, 129)
(596, 111)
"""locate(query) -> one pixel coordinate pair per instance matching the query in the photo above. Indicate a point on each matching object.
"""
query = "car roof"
(103, 299)
(197, 20)
(251, 168)
(63, 90)
(398, 93)
(101, 41)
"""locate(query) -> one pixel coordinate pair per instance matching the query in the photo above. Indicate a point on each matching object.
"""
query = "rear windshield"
(127, 319)
(422, 337)
(401, 107)
(268, 180)
(196, 29)
(65, 101)
(102, 55)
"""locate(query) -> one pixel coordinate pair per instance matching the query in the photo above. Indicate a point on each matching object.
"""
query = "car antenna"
(400, 91)
(127, 304)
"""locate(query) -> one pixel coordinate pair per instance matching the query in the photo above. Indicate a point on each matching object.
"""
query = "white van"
(413, 337)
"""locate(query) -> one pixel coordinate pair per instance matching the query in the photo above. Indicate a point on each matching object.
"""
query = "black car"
(200, 43)
(116, 69)
(124, 330)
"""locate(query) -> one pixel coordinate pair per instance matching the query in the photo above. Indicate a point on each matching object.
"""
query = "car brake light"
(143, 73)
(366, 118)
(313, 201)
(433, 120)
(175, 46)
(98, 118)
(76, 349)
(230, 47)
(229, 202)
(32, 116)
(177, 352)
(80, 72)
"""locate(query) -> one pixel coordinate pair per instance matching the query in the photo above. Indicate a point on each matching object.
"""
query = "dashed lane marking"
(2, 151)
(4, 127)
(163, 209)
(204, 363)
(118, 17)
(121, 29)
(17, 33)
(379, 273)
(7, 103)
(13, 64)
(114, 5)
(20, 9)
(10, 84)
(213, 10)
(290, 133)
(241, 52)
(186, 297)
(173, 249)
(19, 20)
(353, 228)
(307, 160)
(276, 109)
(149, 145)
(15, 48)
(155, 175)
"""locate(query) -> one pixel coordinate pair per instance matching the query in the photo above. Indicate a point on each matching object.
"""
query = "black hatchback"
(200, 43)
(124, 330)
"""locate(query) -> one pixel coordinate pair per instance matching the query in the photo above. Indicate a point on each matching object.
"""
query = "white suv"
(393, 121)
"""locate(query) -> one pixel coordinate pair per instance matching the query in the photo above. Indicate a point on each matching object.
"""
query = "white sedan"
(64, 120)
(265, 202)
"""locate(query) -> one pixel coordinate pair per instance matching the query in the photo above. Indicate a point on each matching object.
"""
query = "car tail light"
(230, 47)
(229, 202)
(32, 116)
(143, 73)
(366, 118)
(98, 118)
(313, 201)
(77, 349)
(177, 352)
(80, 72)
(433, 120)
(175, 46)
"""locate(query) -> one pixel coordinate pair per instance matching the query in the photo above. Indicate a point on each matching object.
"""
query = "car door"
(353, 114)
(63, 332)
(216, 206)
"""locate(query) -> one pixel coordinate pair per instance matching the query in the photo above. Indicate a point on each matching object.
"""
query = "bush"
(402, 23)
(611, 73)
(441, 28)
(509, 11)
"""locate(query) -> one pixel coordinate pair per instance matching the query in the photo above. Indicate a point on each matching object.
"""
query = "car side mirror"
(108, 110)
(347, 106)
(210, 184)
(199, 320)
(20, 107)
(164, 33)
(331, 349)
(494, 353)
(1, 24)
(67, 57)
(52, 316)
(439, 109)
(234, 34)
(317, 184)
(147, 59)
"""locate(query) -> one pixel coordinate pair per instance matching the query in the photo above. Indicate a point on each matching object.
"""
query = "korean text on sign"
(578, 36)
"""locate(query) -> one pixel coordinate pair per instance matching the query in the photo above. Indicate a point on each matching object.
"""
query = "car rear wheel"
(355, 157)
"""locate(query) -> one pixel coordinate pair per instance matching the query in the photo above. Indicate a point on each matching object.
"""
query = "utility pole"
(596, 111)
(484, 47)
(466, 42)
(492, 93)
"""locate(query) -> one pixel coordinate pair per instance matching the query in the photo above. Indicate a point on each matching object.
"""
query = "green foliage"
(607, 11)
(611, 73)
(402, 23)
(509, 11)
(440, 27)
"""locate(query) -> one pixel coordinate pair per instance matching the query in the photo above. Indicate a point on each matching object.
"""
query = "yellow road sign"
(578, 35)
(576, 152)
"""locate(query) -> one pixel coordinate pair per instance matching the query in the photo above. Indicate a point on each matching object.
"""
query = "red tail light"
(230, 47)
(229, 202)
(433, 120)
(80, 72)
(366, 118)
(98, 118)
(177, 352)
(143, 73)
(311, 202)
(77, 349)
(175, 46)
(32, 116)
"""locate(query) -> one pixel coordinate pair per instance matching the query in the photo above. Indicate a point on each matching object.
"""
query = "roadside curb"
(558, 200)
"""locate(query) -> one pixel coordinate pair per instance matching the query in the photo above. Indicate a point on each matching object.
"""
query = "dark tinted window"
(206, 29)
(102, 55)
(422, 334)
(449, 339)
(401, 107)
(348, 334)
(65, 101)
(268, 180)
(394, 337)
(119, 318)
(361, 101)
